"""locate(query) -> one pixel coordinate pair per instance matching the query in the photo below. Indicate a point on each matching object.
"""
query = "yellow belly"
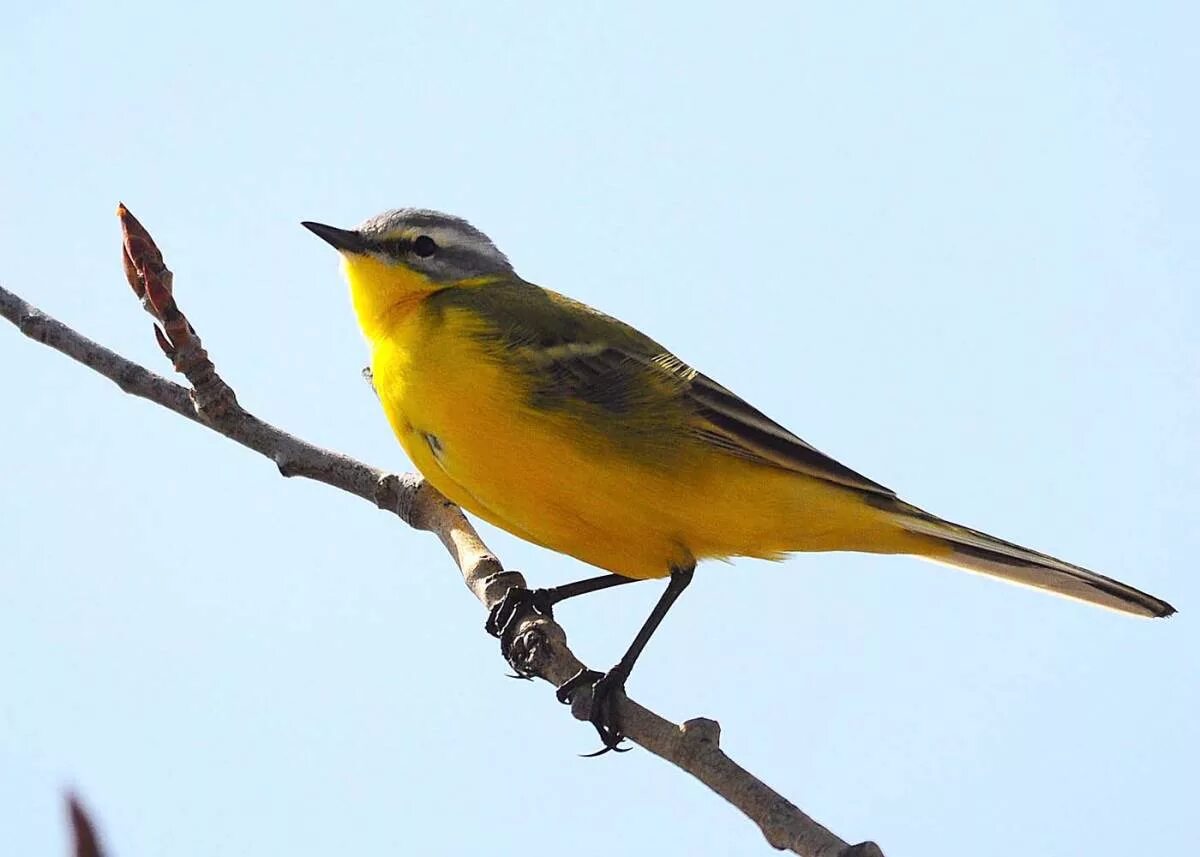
(466, 423)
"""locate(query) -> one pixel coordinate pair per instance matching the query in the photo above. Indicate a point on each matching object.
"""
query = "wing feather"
(756, 436)
(612, 376)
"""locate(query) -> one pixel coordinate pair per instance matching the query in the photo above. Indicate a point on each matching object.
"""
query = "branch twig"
(541, 644)
(83, 832)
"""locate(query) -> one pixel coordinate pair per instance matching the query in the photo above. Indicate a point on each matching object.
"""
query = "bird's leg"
(518, 602)
(603, 713)
(542, 601)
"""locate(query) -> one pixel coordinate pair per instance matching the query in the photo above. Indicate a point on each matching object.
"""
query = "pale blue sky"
(953, 245)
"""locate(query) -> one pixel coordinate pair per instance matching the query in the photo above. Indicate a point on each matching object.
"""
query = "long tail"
(972, 550)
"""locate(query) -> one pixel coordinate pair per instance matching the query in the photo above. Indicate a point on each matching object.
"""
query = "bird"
(577, 432)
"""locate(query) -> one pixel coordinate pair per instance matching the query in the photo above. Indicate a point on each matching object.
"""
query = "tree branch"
(83, 832)
(541, 644)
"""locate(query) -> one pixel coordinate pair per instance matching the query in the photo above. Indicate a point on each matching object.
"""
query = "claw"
(602, 712)
(500, 614)
(509, 636)
(516, 600)
(506, 616)
(584, 678)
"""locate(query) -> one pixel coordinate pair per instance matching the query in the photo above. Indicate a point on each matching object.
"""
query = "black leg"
(505, 617)
(583, 587)
(603, 713)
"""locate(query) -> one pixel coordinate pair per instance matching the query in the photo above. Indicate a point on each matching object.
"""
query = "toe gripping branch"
(509, 613)
(606, 690)
(506, 618)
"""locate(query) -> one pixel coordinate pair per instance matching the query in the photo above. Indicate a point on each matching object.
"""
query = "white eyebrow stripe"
(449, 237)
(456, 239)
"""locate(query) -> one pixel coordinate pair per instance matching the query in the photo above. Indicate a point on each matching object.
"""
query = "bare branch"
(540, 645)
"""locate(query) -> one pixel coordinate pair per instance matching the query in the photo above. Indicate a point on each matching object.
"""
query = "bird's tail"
(962, 547)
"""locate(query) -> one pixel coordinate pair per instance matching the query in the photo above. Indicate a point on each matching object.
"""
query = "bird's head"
(394, 259)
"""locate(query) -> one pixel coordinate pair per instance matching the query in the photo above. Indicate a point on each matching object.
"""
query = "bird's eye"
(424, 246)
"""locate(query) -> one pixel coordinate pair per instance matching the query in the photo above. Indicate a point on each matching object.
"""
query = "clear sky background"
(955, 246)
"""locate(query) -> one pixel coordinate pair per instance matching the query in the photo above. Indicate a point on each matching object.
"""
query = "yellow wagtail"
(579, 433)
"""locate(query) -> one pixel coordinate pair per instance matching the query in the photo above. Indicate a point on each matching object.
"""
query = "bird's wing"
(617, 377)
(582, 360)
(730, 422)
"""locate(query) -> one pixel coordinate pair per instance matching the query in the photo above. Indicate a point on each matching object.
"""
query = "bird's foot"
(602, 711)
(505, 617)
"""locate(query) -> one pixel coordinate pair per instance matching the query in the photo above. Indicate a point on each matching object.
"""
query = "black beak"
(343, 240)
